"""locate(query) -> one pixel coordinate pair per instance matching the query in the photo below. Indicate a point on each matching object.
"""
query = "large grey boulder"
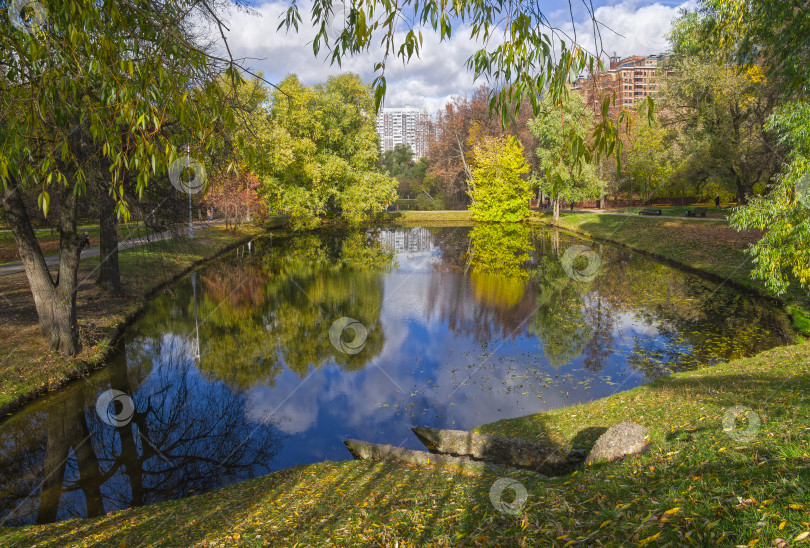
(549, 461)
(620, 440)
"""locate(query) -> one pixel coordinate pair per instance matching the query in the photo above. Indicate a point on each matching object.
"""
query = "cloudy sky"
(630, 27)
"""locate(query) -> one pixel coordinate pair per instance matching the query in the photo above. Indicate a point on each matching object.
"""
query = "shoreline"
(110, 341)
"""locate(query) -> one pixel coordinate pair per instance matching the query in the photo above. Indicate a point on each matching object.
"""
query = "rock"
(549, 461)
(373, 451)
(620, 440)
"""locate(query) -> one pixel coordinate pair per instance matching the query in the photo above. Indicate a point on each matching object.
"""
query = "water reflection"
(233, 374)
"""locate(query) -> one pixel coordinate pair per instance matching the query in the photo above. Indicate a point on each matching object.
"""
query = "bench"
(650, 211)
(697, 212)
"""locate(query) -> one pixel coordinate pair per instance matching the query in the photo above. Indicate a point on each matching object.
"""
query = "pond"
(274, 354)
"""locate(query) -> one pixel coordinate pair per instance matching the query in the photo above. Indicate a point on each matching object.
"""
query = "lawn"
(28, 368)
(49, 240)
(713, 249)
(712, 212)
(698, 485)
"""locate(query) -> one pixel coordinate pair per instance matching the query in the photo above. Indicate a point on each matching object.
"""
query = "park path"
(53, 260)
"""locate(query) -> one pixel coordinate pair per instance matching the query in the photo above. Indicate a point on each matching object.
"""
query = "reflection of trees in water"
(187, 435)
(296, 289)
(495, 300)
(696, 321)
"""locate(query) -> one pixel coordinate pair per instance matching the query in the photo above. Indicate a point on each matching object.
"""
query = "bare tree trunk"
(556, 203)
(55, 301)
(109, 276)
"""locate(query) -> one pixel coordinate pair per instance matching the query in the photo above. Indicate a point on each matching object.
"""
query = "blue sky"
(640, 27)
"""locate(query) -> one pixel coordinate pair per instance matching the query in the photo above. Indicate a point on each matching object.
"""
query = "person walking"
(717, 201)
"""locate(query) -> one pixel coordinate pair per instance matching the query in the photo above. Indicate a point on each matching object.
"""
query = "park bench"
(697, 212)
(650, 211)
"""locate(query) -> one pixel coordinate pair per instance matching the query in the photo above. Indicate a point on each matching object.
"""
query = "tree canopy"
(324, 149)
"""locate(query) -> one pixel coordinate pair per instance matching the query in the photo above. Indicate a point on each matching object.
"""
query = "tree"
(498, 189)
(563, 175)
(73, 89)
(236, 195)
(783, 253)
(460, 125)
(647, 159)
(324, 150)
(721, 111)
(772, 35)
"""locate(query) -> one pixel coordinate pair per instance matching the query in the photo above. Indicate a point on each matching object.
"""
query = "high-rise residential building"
(408, 125)
(632, 79)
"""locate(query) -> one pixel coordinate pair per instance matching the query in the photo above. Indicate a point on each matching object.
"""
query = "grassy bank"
(709, 248)
(28, 368)
(49, 239)
(696, 486)
(424, 218)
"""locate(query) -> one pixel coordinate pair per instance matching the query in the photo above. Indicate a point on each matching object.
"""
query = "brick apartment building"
(632, 79)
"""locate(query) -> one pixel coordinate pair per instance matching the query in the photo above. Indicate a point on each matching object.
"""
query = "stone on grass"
(363, 450)
(620, 440)
(515, 453)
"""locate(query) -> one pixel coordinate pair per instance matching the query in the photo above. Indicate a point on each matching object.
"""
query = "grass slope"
(696, 486)
(713, 248)
(28, 368)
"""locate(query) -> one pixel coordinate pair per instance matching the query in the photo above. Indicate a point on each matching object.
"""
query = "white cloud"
(440, 73)
(630, 28)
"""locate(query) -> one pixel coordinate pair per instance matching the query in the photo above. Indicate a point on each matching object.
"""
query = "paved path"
(53, 260)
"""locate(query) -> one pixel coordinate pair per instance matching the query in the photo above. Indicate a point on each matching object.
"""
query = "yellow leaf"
(672, 511)
(796, 506)
(782, 525)
(801, 536)
(648, 540)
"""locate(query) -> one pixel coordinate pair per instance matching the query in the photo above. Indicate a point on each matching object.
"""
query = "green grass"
(28, 368)
(423, 218)
(711, 248)
(680, 211)
(49, 240)
(696, 486)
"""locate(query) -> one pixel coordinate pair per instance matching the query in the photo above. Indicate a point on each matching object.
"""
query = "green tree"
(110, 83)
(647, 161)
(498, 190)
(721, 110)
(563, 175)
(322, 147)
(782, 254)
(773, 33)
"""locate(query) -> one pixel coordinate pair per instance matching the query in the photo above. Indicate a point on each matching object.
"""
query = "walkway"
(53, 260)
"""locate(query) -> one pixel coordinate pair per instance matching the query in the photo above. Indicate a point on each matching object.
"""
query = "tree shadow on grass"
(330, 502)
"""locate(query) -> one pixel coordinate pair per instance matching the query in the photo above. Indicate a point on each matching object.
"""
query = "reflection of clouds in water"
(355, 397)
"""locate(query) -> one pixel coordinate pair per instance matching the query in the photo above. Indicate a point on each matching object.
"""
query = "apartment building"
(408, 125)
(632, 79)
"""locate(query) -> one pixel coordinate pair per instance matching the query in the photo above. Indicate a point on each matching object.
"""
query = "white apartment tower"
(407, 125)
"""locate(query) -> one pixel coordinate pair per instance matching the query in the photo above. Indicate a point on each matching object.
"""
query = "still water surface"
(271, 356)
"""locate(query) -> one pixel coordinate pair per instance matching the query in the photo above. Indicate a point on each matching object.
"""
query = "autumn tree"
(563, 176)
(459, 126)
(323, 150)
(72, 90)
(498, 188)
